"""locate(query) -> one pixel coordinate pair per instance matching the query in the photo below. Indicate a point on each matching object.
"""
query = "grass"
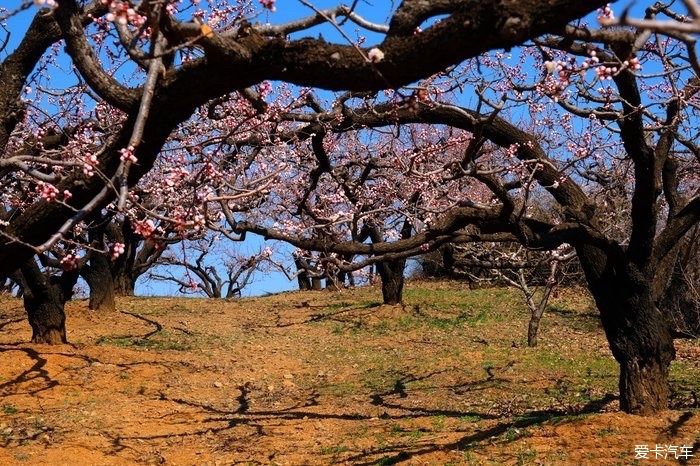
(333, 450)
(9, 409)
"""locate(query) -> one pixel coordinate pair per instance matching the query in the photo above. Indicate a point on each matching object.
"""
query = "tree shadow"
(11, 321)
(331, 315)
(37, 372)
(675, 426)
(407, 452)
(158, 326)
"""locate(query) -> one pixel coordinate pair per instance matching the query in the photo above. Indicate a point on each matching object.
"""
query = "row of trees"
(185, 123)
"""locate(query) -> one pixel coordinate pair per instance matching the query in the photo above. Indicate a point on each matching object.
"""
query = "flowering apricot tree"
(603, 130)
(151, 65)
(170, 120)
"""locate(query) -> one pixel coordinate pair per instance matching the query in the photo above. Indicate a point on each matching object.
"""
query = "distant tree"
(207, 267)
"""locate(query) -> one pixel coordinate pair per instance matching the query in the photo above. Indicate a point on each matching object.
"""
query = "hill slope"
(324, 378)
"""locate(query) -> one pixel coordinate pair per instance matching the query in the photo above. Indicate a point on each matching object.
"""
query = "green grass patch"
(9, 409)
(163, 341)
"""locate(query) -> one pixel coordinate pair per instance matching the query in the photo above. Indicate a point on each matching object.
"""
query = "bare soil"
(329, 378)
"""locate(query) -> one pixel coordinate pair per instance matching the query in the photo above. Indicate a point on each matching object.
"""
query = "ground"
(329, 378)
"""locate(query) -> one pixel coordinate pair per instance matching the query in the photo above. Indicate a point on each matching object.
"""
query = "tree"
(45, 295)
(230, 60)
(636, 147)
(528, 133)
(211, 268)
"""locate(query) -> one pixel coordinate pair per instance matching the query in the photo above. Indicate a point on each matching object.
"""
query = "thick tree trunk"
(641, 341)
(639, 334)
(44, 300)
(391, 274)
(316, 283)
(46, 317)
(644, 385)
(303, 278)
(124, 284)
(99, 278)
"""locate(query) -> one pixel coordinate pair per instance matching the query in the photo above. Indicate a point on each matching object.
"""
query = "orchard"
(142, 134)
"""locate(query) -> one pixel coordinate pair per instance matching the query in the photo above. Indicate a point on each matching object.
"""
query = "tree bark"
(46, 317)
(316, 283)
(124, 284)
(122, 269)
(641, 341)
(303, 277)
(638, 333)
(98, 276)
(391, 274)
(44, 300)
(532, 329)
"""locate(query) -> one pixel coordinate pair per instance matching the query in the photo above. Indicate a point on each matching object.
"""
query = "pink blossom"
(47, 191)
(144, 228)
(375, 55)
(127, 155)
(69, 262)
(48, 3)
(116, 250)
(268, 4)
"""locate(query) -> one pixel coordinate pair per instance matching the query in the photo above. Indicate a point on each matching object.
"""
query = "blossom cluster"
(116, 250)
(127, 154)
(269, 4)
(123, 13)
(69, 262)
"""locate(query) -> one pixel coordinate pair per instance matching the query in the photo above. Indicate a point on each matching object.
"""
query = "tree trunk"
(332, 283)
(44, 300)
(391, 273)
(532, 329)
(47, 317)
(537, 309)
(641, 341)
(316, 283)
(99, 278)
(303, 277)
(124, 285)
(639, 335)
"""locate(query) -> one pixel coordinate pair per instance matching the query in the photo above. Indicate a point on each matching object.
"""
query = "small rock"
(288, 376)
(218, 384)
